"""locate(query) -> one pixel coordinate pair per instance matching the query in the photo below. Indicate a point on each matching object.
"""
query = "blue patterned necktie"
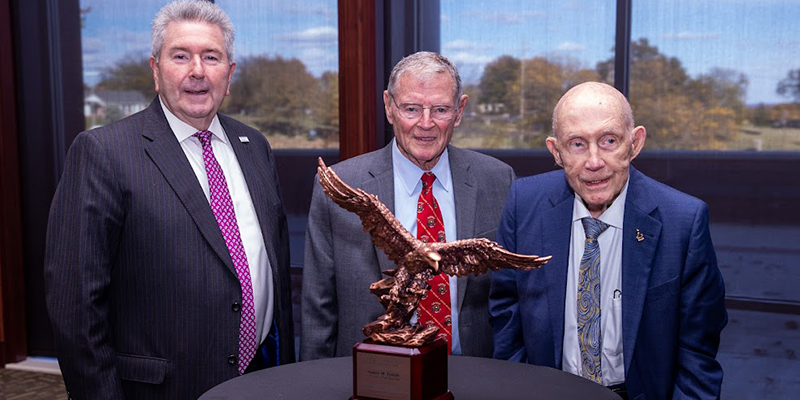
(590, 337)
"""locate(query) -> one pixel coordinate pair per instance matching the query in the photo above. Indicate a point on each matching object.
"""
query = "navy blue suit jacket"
(673, 306)
(139, 282)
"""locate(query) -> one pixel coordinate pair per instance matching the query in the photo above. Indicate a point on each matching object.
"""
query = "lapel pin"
(244, 139)
(639, 236)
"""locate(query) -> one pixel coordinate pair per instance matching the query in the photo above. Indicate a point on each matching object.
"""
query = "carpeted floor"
(18, 385)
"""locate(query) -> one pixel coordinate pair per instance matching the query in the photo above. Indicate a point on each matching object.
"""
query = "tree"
(277, 95)
(790, 86)
(326, 105)
(129, 73)
(497, 82)
(84, 12)
(680, 112)
(542, 86)
(761, 115)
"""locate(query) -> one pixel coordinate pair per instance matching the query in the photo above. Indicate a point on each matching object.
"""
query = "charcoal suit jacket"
(141, 290)
(673, 295)
(341, 260)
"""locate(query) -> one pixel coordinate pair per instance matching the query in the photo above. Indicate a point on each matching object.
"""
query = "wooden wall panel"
(357, 106)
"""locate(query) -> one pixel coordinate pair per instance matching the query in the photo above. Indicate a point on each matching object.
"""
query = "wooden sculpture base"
(383, 372)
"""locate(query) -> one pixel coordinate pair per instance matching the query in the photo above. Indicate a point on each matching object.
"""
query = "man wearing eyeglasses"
(438, 192)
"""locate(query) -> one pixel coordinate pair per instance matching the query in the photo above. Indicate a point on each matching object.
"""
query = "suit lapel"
(165, 151)
(556, 230)
(382, 184)
(637, 258)
(465, 196)
(257, 175)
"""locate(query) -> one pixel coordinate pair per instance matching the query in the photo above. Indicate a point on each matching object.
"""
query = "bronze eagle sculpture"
(415, 260)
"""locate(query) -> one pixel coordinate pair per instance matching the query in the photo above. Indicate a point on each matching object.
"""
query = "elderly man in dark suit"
(632, 298)
(424, 104)
(167, 260)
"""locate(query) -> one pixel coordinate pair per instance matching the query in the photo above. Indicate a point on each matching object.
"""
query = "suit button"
(236, 306)
(232, 359)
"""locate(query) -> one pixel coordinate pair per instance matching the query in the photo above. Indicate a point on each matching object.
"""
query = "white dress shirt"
(407, 187)
(612, 362)
(249, 228)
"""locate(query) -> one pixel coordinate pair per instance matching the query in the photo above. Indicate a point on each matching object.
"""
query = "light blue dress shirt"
(407, 187)
(612, 361)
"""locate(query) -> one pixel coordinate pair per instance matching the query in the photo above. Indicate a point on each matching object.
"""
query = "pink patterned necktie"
(222, 207)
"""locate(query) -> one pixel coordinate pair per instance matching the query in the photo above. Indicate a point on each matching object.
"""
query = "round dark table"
(470, 378)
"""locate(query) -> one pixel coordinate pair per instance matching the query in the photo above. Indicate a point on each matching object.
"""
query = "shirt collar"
(183, 131)
(409, 174)
(613, 216)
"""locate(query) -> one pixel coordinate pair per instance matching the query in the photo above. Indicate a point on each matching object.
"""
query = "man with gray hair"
(632, 298)
(437, 191)
(167, 257)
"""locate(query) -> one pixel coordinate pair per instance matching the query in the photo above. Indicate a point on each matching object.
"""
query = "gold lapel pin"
(639, 236)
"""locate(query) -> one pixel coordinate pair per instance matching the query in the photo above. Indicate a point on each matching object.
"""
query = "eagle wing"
(386, 231)
(476, 256)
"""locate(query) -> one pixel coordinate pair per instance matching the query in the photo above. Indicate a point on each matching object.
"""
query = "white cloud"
(464, 45)
(470, 65)
(316, 35)
(570, 47)
(318, 60)
(444, 18)
(92, 45)
(320, 9)
(464, 57)
(508, 17)
(101, 53)
(689, 35)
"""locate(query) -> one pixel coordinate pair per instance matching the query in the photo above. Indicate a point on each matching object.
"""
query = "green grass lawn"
(766, 139)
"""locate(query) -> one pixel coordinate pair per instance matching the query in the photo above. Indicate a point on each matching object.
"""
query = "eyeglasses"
(439, 112)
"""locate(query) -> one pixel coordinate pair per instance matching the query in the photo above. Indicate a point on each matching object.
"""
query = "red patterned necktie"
(222, 207)
(434, 308)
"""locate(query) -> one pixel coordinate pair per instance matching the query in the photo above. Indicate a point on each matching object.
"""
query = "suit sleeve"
(319, 309)
(503, 297)
(83, 232)
(702, 317)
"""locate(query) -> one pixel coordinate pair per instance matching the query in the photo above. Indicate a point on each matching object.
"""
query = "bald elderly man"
(633, 298)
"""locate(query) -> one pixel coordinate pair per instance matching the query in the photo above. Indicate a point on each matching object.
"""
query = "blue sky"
(760, 39)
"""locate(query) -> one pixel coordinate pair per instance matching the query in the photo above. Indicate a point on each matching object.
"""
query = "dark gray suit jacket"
(341, 261)
(139, 282)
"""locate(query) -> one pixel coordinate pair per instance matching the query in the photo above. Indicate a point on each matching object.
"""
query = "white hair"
(191, 11)
(424, 63)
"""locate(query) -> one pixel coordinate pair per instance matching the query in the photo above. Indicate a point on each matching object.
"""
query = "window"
(517, 58)
(115, 39)
(286, 80)
(717, 75)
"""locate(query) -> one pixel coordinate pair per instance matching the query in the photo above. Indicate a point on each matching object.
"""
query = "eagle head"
(432, 258)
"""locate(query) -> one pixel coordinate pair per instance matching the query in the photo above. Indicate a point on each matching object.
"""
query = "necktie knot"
(593, 227)
(427, 179)
(204, 136)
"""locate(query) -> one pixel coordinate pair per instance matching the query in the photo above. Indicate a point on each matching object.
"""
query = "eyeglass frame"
(404, 115)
